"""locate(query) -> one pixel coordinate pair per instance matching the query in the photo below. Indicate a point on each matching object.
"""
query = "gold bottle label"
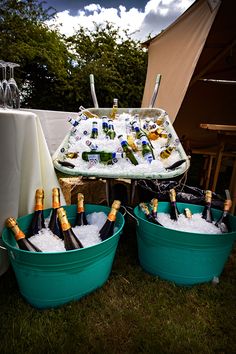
(11, 223)
(154, 203)
(65, 225)
(208, 196)
(114, 209)
(188, 213)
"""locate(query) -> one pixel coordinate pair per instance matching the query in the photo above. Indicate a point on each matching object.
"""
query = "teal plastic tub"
(52, 279)
(182, 257)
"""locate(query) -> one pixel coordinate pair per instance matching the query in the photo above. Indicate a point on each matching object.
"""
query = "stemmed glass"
(7, 94)
(13, 86)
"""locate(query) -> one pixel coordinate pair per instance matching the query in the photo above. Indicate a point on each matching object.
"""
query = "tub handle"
(3, 248)
(129, 212)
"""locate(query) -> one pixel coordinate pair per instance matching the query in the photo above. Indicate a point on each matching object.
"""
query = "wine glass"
(7, 95)
(13, 85)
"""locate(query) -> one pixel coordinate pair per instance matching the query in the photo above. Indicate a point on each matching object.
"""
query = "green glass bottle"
(20, 238)
(107, 229)
(146, 150)
(101, 156)
(105, 124)
(71, 241)
(128, 150)
(94, 133)
(111, 134)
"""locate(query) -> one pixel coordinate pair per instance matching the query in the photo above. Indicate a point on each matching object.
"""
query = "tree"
(41, 52)
(118, 63)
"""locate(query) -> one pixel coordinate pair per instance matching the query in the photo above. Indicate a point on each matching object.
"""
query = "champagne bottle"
(108, 228)
(20, 238)
(146, 150)
(148, 215)
(154, 206)
(37, 222)
(94, 133)
(101, 156)
(223, 221)
(114, 108)
(188, 213)
(80, 215)
(54, 224)
(71, 241)
(128, 150)
(207, 213)
(111, 134)
(174, 212)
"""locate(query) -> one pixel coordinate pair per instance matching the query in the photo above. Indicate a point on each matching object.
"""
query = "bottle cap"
(116, 204)
(11, 222)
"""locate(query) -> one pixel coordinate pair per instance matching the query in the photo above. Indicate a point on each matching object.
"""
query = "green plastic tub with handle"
(51, 279)
(182, 257)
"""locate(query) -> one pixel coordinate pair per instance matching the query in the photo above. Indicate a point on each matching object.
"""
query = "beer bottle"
(101, 156)
(207, 213)
(20, 238)
(105, 124)
(114, 108)
(54, 224)
(128, 150)
(111, 134)
(71, 241)
(146, 150)
(169, 149)
(80, 215)
(154, 206)
(223, 221)
(148, 215)
(72, 155)
(174, 212)
(37, 222)
(94, 133)
(107, 229)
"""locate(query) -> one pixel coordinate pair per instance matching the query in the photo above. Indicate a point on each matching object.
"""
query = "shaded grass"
(134, 312)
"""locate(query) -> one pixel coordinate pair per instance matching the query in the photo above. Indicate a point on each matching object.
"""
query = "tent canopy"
(199, 45)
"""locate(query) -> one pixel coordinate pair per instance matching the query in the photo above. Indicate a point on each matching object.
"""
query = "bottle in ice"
(105, 157)
(146, 150)
(80, 215)
(187, 213)
(20, 238)
(108, 228)
(105, 124)
(94, 133)
(154, 206)
(223, 222)
(54, 224)
(174, 212)
(37, 222)
(111, 134)
(148, 215)
(207, 213)
(71, 241)
(87, 113)
(169, 149)
(128, 150)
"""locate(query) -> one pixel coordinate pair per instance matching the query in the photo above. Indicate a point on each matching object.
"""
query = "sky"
(140, 17)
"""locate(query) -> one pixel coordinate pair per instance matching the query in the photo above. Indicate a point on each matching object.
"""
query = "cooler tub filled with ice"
(95, 145)
(51, 279)
(183, 257)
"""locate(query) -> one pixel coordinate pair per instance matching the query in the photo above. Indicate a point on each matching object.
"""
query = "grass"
(134, 312)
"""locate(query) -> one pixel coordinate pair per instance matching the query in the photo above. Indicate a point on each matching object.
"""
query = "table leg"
(217, 165)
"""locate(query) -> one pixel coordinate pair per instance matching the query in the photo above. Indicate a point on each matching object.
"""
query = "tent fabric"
(174, 54)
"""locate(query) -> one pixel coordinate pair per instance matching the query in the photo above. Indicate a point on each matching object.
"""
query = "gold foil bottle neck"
(172, 194)
(227, 204)
(11, 222)
(39, 193)
(208, 196)
(80, 202)
(116, 204)
(188, 213)
(61, 213)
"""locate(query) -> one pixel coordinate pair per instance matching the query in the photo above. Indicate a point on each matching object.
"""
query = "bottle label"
(148, 157)
(94, 157)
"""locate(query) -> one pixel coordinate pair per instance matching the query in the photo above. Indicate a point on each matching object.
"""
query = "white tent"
(199, 45)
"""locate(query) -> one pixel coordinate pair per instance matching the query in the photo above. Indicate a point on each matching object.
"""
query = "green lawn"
(133, 312)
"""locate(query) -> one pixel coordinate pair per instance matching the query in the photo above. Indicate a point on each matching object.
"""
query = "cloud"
(157, 15)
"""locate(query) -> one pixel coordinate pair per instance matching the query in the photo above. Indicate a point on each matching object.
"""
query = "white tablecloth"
(25, 165)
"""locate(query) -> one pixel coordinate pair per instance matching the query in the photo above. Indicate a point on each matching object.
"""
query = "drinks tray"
(76, 140)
